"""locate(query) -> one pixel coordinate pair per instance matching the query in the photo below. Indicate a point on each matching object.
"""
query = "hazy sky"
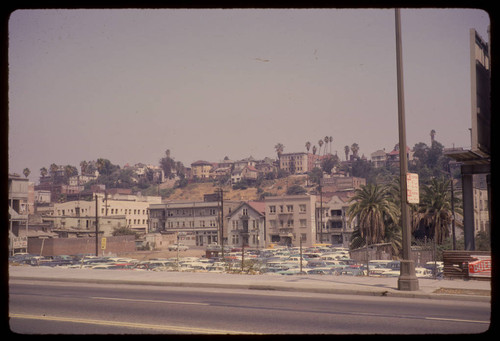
(128, 84)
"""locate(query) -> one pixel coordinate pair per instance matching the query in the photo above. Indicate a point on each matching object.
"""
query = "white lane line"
(148, 301)
(455, 320)
(162, 327)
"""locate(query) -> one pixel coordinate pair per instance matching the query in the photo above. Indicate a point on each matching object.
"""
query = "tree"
(43, 172)
(331, 141)
(328, 163)
(26, 172)
(372, 206)
(320, 143)
(327, 139)
(315, 175)
(314, 150)
(168, 164)
(355, 149)
(295, 190)
(83, 167)
(346, 151)
(308, 146)
(434, 212)
(279, 150)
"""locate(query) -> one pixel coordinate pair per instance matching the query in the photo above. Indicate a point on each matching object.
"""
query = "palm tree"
(346, 151)
(308, 146)
(372, 206)
(279, 150)
(314, 150)
(327, 139)
(355, 149)
(320, 142)
(83, 167)
(26, 172)
(43, 172)
(434, 211)
(331, 141)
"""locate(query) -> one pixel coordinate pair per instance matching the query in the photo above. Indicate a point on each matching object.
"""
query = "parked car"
(175, 247)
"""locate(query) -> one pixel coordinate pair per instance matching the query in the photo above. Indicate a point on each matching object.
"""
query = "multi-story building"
(333, 225)
(379, 158)
(246, 225)
(297, 163)
(201, 169)
(481, 204)
(18, 213)
(291, 219)
(196, 222)
(121, 211)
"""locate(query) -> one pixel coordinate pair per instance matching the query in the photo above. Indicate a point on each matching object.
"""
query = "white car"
(174, 247)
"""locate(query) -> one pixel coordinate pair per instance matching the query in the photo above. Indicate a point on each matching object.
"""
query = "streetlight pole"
(407, 278)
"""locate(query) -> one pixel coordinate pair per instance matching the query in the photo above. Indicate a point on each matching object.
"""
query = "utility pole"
(407, 279)
(220, 197)
(96, 227)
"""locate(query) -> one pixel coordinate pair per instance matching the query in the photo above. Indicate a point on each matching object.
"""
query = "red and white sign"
(481, 267)
(412, 193)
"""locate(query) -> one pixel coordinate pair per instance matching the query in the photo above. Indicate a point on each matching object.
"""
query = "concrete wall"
(74, 246)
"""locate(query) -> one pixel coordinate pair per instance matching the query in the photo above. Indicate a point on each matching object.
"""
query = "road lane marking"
(148, 301)
(455, 320)
(128, 324)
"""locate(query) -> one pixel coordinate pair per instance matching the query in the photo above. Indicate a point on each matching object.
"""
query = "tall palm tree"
(279, 150)
(327, 139)
(331, 141)
(320, 142)
(434, 211)
(26, 172)
(355, 149)
(372, 206)
(43, 172)
(83, 167)
(346, 151)
(314, 150)
(308, 146)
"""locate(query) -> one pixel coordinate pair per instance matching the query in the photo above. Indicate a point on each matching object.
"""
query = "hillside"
(195, 191)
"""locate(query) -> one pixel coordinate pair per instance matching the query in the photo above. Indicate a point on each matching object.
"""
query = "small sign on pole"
(412, 193)
(103, 243)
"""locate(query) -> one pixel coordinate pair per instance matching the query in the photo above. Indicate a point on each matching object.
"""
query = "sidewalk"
(472, 290)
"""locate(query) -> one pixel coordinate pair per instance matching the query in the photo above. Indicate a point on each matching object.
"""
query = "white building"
(291, 218)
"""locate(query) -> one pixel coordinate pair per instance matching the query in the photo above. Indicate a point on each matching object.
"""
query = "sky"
(128, 84)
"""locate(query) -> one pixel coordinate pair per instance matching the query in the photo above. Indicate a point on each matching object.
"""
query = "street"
(37, 307)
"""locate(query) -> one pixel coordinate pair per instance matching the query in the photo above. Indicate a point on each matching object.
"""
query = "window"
(272, 209)
(289, 208)
(302, 208)
(303, 223)
(290, 223)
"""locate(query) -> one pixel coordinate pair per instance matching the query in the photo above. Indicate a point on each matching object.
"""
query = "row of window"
(288, 208)
(287, 223)
(253, 223)
(190, 223)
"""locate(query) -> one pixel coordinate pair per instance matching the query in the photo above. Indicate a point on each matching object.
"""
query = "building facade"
(246, 225)
(291, 219)
(198, 223)
(18, 213)
(333, 225)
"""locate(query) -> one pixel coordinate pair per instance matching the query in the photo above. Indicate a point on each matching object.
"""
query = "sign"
(481, 267)
(103, 243)
(412, 193)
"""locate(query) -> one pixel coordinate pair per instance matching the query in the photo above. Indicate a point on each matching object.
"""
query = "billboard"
(480, 95)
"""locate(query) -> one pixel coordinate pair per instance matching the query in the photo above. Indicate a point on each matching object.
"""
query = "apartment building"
(121, 211)
(198, 223)
(290, 219)
(201, 169)
(332, 223)
(246, 225)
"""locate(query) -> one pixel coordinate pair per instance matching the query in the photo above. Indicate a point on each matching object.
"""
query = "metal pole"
(96, 227)
(407, 279)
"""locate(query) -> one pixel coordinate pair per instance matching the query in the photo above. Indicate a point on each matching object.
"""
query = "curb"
(382, 292)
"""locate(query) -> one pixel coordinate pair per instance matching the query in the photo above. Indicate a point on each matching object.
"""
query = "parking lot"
(330, 261)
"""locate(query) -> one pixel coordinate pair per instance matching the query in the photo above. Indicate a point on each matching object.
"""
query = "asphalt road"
(76, 308)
